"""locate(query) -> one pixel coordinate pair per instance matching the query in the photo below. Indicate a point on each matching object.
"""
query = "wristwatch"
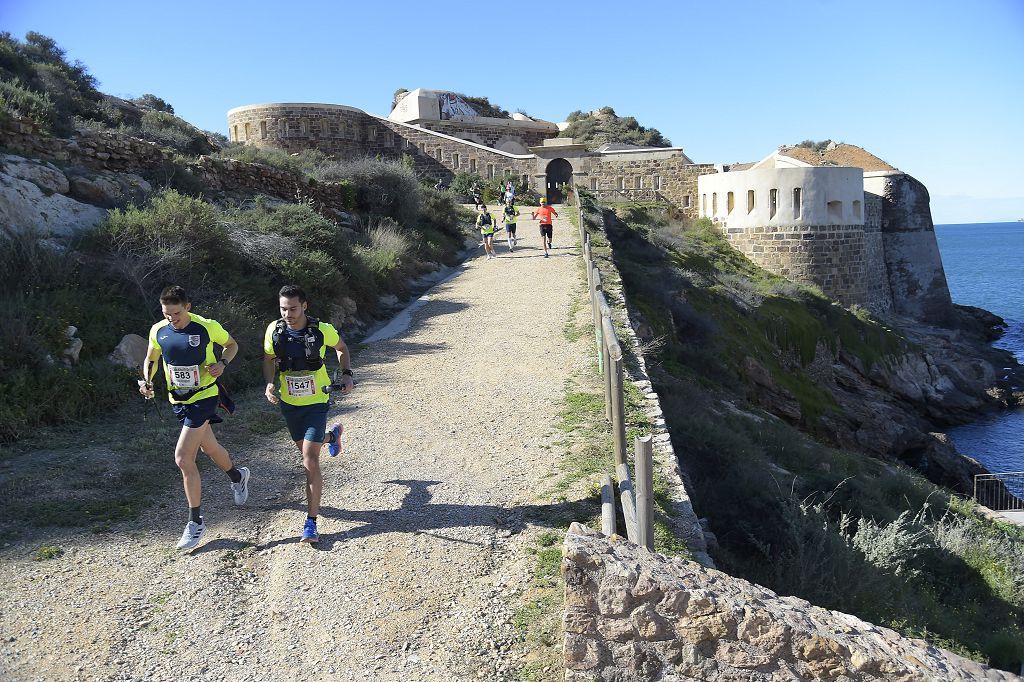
(224, 361)
(347, 372)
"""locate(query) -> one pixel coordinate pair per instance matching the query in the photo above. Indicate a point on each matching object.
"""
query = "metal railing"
(636, 495)
(1000, 492)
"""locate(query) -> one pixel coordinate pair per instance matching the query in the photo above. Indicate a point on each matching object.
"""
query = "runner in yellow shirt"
(294, 347)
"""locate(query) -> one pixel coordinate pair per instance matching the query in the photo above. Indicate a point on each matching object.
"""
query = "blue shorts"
(510, 228)
(194, 415)
(306, 422)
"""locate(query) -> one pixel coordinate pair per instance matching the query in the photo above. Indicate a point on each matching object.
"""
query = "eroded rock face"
(130, 352)
(634, 615)
(108, 189)
(43, 175)
(26, 206)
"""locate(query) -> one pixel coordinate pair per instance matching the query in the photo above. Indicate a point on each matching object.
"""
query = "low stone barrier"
(634, 615)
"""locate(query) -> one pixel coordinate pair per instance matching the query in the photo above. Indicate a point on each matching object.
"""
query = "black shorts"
(510, 228)
(194, 415)
(546, 231)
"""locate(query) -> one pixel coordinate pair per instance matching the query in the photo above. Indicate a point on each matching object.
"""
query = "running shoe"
(334, 447)
(194, 532)
(241, 489)
(309, 533)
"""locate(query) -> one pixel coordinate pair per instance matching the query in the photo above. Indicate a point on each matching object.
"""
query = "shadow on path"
(419, 515)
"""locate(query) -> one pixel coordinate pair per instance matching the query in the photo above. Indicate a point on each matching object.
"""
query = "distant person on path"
(510, 214)
(439, 187)
(185, 341)
(510, 192)
(545, 214)
(485, 221)
(477, 200)
(294, 347)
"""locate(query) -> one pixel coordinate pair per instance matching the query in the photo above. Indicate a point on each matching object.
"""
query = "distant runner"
(545, 214)
(185, 341)
(295, 346)
(509, 215)
(485, 221)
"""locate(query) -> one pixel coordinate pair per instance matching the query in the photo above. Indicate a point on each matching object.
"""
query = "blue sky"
(933, 87)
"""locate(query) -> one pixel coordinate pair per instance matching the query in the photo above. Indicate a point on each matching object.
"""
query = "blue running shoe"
(309, 533)
(334, 447)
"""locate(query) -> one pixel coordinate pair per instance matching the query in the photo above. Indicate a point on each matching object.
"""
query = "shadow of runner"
(419, 515)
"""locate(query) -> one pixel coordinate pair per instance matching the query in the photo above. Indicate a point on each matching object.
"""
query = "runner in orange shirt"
(546, 215)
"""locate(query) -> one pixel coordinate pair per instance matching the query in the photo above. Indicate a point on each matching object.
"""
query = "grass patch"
(47, 553)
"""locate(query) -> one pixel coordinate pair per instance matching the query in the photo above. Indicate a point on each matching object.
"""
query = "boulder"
(43, 175)
(24, 207)
(108, 189)
(74, 348)
(130, 352)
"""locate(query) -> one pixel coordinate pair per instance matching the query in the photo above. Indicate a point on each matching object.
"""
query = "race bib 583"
(184, 377)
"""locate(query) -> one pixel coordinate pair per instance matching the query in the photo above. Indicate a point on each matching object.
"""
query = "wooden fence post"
(626, 498)
(643, 461)
(607, 506)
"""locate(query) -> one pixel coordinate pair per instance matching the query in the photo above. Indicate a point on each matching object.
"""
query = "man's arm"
(227, 355)
(148, 368)
(345, 362)
(268, 376)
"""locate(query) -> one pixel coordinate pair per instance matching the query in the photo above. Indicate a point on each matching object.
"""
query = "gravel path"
(450, 435)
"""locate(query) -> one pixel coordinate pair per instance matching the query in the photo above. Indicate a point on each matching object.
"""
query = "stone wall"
(351, 133)
(677, 184)
(831, 257)
(877, 292)
(634, 615)
(493, 135)
(99, 150)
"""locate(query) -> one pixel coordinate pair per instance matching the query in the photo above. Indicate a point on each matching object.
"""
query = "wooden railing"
(636, 493)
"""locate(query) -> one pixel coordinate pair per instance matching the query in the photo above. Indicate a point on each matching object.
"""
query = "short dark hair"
(292, 291)
(173, 295)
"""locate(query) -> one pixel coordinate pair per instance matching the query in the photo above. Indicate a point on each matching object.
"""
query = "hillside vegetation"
(843, 530)
(604, 126)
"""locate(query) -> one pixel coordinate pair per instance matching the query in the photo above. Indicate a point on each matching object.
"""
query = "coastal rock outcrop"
(634, 615)
(30, 200)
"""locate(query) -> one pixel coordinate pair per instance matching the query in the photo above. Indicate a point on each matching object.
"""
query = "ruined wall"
(912, 259)
(634, 615)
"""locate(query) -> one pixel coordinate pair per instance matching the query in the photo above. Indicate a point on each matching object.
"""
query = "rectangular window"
(773, 202)
(389, 138)
(796, 202)
(438, 154)
(638, 182)
(704, 204)
(730, 203)
(835, 212)
(234, 132)
(525, 180)
(423, 147)
(856, 210)
(656, 182)
(508, 172)
(714, 204)
(490, 171)
(455, 161)
(263, 130)
(593, 183)
(472, 165)
(282, 127)
(686, 201)
(750, 200)
(247, 133)
(620, 183)
(373, 134)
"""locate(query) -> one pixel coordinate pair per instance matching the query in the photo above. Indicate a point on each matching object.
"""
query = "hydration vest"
(313, 341)
(483, 219)
(510, 215)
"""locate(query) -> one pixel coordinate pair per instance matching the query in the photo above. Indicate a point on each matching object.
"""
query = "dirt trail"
(449, 439)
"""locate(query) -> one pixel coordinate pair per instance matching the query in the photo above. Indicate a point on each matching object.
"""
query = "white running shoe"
(241, 489)
(194, 532)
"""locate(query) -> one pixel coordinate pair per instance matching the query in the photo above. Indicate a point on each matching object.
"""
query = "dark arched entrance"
(559, 173)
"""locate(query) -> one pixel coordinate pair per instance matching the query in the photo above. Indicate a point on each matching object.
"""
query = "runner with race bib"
(294, 347)
(185, 341)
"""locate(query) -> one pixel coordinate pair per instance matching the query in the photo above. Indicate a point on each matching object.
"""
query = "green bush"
(383, 188)
(604, 126)
(17, 100)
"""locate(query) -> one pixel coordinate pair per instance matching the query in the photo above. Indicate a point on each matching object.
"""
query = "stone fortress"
(841, 219)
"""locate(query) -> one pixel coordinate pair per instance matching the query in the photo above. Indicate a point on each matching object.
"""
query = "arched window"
(835, 212)
(263, 130)
(773, 202)
(730, 203)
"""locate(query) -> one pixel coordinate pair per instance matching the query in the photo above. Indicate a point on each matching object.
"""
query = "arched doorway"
(559, 173)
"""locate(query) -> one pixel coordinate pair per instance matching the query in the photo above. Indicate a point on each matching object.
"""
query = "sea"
(984, 264)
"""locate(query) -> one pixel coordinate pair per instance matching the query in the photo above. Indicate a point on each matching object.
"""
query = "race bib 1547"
(300, 386)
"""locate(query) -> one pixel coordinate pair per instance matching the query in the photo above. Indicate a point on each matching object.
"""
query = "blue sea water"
(984, 264)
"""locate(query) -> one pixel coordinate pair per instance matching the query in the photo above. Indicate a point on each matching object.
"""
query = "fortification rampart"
(672, 178)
